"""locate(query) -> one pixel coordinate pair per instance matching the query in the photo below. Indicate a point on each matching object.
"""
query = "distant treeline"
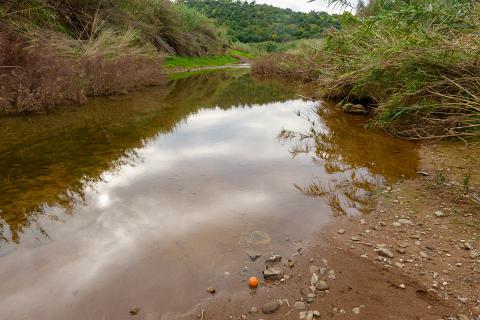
(250, 22)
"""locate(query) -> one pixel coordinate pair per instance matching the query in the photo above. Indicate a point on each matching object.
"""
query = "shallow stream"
(145, 200)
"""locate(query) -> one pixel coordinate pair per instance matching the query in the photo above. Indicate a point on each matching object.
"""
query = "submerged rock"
(270, 307)
(354, 108)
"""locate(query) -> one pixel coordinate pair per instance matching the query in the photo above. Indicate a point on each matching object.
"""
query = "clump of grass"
(415, 62)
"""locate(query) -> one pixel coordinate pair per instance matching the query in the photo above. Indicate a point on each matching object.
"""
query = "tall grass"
(53, 52)
(415, 62)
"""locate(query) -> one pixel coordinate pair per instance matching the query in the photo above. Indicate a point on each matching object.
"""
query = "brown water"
(147, 199)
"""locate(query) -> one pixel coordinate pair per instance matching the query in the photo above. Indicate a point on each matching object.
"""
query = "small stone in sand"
(211, 290)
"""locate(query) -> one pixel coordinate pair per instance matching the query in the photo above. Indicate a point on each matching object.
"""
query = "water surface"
(147, 199)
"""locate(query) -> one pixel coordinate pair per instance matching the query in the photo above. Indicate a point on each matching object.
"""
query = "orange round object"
(253, 282)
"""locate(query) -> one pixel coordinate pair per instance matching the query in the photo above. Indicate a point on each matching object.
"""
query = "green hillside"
(251, 22)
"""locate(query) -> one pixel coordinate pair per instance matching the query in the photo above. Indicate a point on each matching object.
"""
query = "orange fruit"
(253, 282)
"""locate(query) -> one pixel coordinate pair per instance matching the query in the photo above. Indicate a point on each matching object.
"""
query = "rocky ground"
(416, 256)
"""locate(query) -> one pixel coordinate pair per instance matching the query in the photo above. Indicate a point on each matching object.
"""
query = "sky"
(302, 5)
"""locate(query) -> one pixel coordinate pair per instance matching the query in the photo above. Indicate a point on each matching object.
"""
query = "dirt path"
(414, 257)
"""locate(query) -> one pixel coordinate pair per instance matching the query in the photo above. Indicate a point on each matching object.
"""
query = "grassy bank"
(55, 52)
(415, 64)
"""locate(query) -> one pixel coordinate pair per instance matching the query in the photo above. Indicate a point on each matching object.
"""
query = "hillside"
(250, 22)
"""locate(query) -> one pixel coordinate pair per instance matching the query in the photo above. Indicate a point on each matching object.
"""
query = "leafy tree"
(251, 22)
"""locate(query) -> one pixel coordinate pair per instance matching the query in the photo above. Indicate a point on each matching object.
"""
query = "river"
(145, 200)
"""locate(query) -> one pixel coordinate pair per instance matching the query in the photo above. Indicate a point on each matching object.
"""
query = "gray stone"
(270, 307)
(463, 300)
(468, 246)
(331, 275)
(309, 315)
(354, 108)
(299, 305)
(474, 254)
(405, 221)
(322, 285)
(439, 214)
(384, 252)
(273, 274)
(424, 255)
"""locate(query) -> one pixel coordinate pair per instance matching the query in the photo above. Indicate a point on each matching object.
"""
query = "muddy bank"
(415, 256)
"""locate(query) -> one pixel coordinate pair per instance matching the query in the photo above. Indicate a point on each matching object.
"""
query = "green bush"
(415, 62)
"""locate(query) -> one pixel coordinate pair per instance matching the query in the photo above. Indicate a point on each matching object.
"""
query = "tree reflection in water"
(355, 161)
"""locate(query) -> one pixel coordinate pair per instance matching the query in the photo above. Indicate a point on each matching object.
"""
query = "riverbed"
(145, 200)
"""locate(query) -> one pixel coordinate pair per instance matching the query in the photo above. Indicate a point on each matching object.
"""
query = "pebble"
(305, 291)
(270, 307)
(424, 255)
(211, 290)
(463, 300)
(356, 310)
(401, 250)
(384, 252)
(316, 313)
(468, 246)
(474, 254)
(273, 274)
(253, 310)
(299, 305)
(397, 224)
(134, 311)
(322, 285)
(405, 221)
(244, 316)
(439, 214)
(331, 275)
(341, 231)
